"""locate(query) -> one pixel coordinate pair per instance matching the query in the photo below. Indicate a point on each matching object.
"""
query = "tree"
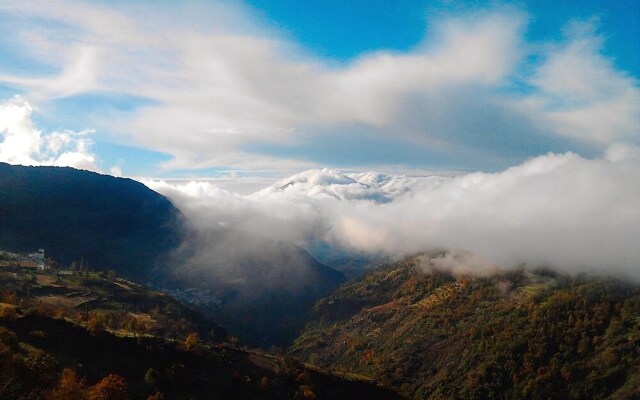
(192, 341)
(156, 396)
(8, 312)
(112, 387)
(152, 377)
(95, 323)
(264, 383)
(70, 387)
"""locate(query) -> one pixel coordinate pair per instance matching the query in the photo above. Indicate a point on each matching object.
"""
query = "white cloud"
(581, 93)
(115, 171)
(21, 139)
(218, 80)
(24, 144)
(229, 90)
(216, 83)
(563, 210)
(328, 184)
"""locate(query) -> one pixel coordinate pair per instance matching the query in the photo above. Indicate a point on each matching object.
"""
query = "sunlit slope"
(517, 334)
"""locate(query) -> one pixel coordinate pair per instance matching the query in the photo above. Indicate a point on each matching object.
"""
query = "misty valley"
(130, 297)
(310, 200)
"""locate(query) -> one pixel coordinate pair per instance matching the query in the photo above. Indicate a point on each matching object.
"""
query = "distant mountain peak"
(366, 186)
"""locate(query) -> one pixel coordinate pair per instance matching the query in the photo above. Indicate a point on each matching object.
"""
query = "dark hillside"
(36, 348)
(75, 215)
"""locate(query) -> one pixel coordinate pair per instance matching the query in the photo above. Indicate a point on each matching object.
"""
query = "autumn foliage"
(516, 334)
(192, 341)
(70, 387)
(112, 387)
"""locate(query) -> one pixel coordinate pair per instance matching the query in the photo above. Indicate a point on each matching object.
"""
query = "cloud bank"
(560, 210)
(24, 144)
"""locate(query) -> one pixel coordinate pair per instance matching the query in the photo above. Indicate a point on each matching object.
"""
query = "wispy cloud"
(217, 83)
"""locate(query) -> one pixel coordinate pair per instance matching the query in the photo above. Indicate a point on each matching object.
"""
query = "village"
(39, 279)
(34, 261)
(97, 300)
(28, 261)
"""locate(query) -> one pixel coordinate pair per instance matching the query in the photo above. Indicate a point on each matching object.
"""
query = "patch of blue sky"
(7, 92)
(133, 161)
(97, 102)
(519, 82)
(17, 56)
(14, 62)
(84, 111)
(344, 30)
(202, 173)
(616, 20)
(137, 161)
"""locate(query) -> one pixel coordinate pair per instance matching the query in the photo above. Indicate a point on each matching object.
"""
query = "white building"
(38, 257)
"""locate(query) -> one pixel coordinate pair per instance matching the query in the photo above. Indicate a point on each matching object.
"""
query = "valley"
(91, 335)
(319, 200)
(262, 289)
(229, 314)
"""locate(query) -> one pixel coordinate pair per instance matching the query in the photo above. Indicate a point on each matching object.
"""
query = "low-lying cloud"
(559, 210)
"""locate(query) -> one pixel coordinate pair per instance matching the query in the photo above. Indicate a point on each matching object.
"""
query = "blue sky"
(343, 30)
(276, 87)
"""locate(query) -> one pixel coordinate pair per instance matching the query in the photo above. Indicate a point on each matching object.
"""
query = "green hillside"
(512, 335)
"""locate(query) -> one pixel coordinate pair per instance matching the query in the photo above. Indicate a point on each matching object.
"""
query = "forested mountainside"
(103, 221)
(93, 336)
(517, 334)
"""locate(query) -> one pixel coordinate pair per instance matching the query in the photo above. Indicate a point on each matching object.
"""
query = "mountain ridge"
(78, 215)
